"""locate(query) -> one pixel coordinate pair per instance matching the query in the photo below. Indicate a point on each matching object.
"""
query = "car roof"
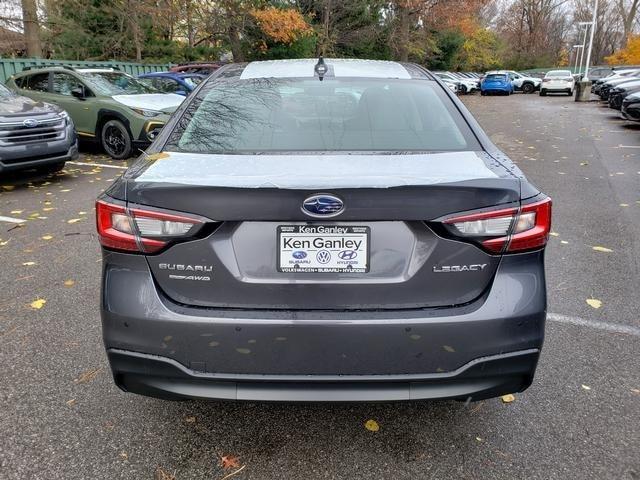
(338, 67)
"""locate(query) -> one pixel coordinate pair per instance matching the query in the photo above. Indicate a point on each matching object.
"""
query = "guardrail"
(9, 66)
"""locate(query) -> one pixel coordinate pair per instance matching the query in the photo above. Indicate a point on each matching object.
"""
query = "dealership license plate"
(323, 249)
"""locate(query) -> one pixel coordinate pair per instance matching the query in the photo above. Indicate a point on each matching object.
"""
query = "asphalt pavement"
(61, 416)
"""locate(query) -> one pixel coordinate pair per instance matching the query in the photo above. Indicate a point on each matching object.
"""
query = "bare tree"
(31, 28)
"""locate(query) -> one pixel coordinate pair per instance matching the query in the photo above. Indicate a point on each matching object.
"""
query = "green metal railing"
(9, 66)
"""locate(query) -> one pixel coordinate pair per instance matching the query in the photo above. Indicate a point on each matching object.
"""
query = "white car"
(558, 81)
(520, 81)
(465, 85)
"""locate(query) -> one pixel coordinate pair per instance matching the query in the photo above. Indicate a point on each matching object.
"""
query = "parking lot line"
(103, 165)
(11, 220)
(582, 322)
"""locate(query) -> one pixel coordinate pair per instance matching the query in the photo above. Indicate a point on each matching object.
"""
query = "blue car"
(172, 82)
(496, 83)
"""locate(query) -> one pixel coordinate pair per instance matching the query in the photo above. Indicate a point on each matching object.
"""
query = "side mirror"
(78, 92)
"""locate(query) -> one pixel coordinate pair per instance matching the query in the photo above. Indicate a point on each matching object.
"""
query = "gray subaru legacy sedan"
(323, 230)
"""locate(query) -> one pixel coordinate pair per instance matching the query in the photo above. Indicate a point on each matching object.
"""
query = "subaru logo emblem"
(299, 255)
(323, 206)
(348, 255)
(30, 122)
(323, 256)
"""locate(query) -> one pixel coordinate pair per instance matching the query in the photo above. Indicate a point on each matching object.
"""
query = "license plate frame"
(342, 240)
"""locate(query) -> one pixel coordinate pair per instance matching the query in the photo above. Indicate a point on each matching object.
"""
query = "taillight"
(139, 230)
(509, 230)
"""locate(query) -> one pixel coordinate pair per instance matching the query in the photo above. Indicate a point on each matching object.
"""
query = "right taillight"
(508, 230)
(141, 230)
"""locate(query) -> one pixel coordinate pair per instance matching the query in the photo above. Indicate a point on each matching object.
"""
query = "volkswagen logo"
(322, 206)
(323, 256)
(30, 122)
(348, 254)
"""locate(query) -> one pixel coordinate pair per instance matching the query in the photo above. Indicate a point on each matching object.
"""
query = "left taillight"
(141, 230)
(510, 230)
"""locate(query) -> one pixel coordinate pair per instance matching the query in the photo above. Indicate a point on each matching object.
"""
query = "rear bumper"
(487, 348)
(481, 378)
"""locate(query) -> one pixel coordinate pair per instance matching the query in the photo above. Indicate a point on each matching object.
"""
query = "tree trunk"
(31, 28)
(236, 44)
(402, 41)
(628, 18)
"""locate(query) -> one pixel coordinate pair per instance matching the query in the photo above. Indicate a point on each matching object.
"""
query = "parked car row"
(621, 91)
(44, 111)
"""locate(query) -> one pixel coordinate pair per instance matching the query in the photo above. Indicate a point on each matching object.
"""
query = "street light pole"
(593, 31)
(584, 43)
(576, 48)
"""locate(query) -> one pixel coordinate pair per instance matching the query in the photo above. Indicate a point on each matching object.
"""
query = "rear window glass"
(280, 115)
(496, 76)
(559, 73)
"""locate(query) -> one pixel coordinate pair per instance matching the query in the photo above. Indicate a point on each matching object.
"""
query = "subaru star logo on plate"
(323, 206)
(30, 122)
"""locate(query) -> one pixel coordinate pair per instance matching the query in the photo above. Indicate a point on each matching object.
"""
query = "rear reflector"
(138, 230)
(509, 230)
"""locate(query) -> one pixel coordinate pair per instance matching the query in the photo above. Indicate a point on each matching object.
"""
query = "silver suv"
(34, 134)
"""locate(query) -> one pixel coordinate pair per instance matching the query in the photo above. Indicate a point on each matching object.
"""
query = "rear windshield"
(283, 115)
(496, 76)
(559, 73)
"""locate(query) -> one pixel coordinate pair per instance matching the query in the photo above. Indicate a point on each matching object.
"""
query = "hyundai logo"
(30, 122)
(348, 254)
(323, 256)
(299, 254)
(322, 206)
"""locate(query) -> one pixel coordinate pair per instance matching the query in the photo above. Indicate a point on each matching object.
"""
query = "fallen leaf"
(478, 439)
(602, 249)
(157, 156)
(28, 264)
(71, 402)
(47, 237)
(229, 461)
(371, 425)
(564, 242)
(593, 302)
(69, 283)
(124, 456)
(554, 234)
(624, 204)
(449, 348)
(507, 398)
(16, 212)
(8, 188)
(74, 220)
(586, 387)
(88, 375)
(38, 304)
(162, 474)
(66, 190)
(190, 419)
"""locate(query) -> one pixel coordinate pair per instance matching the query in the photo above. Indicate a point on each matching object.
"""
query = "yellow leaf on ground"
(507, 398)
(190, 419)
(554, 234)
(602, 249)
(371, 425)
(69, 283)
(16, 212)
(624, 204)
(47, 237)
(88, 375)
(586, 387)
(8, 188)
(38, 304)
(28, 264)
(71, 402)
(74, 220)
(593, 302)
(449, 348)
